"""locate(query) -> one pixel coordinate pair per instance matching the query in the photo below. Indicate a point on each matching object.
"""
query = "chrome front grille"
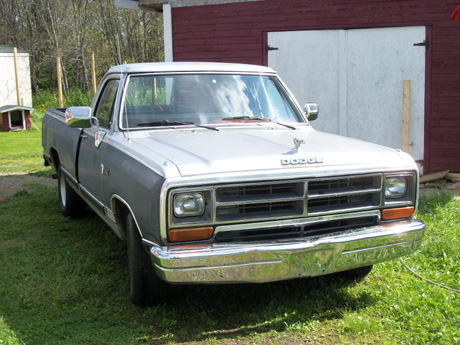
(278, 210)
(297, 199)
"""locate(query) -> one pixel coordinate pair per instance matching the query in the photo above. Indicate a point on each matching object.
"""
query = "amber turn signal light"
(395, 213)
(185, 235)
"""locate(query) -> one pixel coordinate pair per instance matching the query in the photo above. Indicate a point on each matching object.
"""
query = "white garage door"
(356, 76)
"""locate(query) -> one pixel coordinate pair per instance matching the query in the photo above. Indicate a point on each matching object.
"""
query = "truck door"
(90, 168)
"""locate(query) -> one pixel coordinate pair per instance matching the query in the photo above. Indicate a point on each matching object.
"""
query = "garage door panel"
(311, 70)
(379, 61)
(356, 76)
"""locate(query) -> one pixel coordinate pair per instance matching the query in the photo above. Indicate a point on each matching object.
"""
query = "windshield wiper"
(173, 123)
(161, 123)
(245, 117)
(250, 118)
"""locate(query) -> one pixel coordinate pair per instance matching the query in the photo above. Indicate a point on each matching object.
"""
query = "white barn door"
(356, 77)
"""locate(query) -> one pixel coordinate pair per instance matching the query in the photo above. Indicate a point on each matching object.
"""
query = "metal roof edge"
(188, 3)
(156, 5)
(8, 108)
(171, 67)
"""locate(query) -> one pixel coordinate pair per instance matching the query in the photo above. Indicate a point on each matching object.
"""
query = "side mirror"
(78, 117)
(311, 110)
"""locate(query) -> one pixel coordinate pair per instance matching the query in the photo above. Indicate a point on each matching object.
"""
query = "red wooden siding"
(237, 33)
(5, 123)
(27, 119)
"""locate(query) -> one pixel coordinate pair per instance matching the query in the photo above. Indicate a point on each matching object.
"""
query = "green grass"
(22, 151)
(65, 281)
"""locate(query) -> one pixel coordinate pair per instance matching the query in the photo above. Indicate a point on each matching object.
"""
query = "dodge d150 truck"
(212, 173)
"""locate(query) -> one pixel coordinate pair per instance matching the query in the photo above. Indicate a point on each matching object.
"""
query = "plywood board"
(434, 177)
(436, 184)
(454, 186)
(453, 177)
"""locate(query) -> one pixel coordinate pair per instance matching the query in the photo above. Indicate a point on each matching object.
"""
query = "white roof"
(8, 108)
(174, 67)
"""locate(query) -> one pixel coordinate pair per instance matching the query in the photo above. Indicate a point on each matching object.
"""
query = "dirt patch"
(11, 184)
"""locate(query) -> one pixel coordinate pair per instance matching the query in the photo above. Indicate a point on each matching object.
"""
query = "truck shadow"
(233, 311)
(65, 281)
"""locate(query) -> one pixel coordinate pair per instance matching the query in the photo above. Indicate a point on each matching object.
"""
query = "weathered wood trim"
(168, 33)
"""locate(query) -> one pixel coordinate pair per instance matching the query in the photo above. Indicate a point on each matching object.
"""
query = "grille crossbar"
(289, 232)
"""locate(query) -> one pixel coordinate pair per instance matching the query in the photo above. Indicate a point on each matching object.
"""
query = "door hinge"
(268, 48)
(425, 43)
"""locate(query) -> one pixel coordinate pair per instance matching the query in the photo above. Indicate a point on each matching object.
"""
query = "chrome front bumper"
(307, 257)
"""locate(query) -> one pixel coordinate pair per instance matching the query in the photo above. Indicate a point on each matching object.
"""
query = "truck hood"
(200, 152)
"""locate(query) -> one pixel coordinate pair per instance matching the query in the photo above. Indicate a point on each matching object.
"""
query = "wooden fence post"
(16, 75)
(93, 72)
(406, 116)
(61, 100)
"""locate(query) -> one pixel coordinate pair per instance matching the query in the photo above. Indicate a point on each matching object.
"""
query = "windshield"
(156, 100)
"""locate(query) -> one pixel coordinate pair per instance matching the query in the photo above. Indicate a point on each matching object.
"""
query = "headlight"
(395, 187)
(188, 204)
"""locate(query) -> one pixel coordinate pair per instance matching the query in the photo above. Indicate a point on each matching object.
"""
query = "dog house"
(15, 117)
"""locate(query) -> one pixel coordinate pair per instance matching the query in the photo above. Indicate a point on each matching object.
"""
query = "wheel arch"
(121, 209)
(55, 162)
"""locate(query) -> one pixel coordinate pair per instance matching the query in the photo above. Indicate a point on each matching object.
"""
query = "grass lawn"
(22, 151)
(65, 281)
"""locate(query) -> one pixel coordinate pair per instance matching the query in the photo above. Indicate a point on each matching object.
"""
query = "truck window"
(104, 108)
(204, 99)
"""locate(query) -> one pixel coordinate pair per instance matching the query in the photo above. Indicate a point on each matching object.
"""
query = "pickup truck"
(212, 173)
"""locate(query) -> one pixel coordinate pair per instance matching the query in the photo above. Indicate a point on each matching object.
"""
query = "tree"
(73, 30)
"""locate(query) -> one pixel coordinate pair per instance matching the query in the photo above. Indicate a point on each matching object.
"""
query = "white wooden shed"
(8, 93)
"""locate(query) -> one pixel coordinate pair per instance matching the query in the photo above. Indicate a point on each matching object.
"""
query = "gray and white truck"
(212, 173)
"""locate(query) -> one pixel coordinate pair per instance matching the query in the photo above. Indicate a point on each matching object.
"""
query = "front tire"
(70, 202)
(145, 287)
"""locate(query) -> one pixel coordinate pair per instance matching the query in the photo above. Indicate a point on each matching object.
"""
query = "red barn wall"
(237, 33)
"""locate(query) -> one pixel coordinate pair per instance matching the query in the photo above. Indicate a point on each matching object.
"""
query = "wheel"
(70, 202)
(356, 273)
(145, 287)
